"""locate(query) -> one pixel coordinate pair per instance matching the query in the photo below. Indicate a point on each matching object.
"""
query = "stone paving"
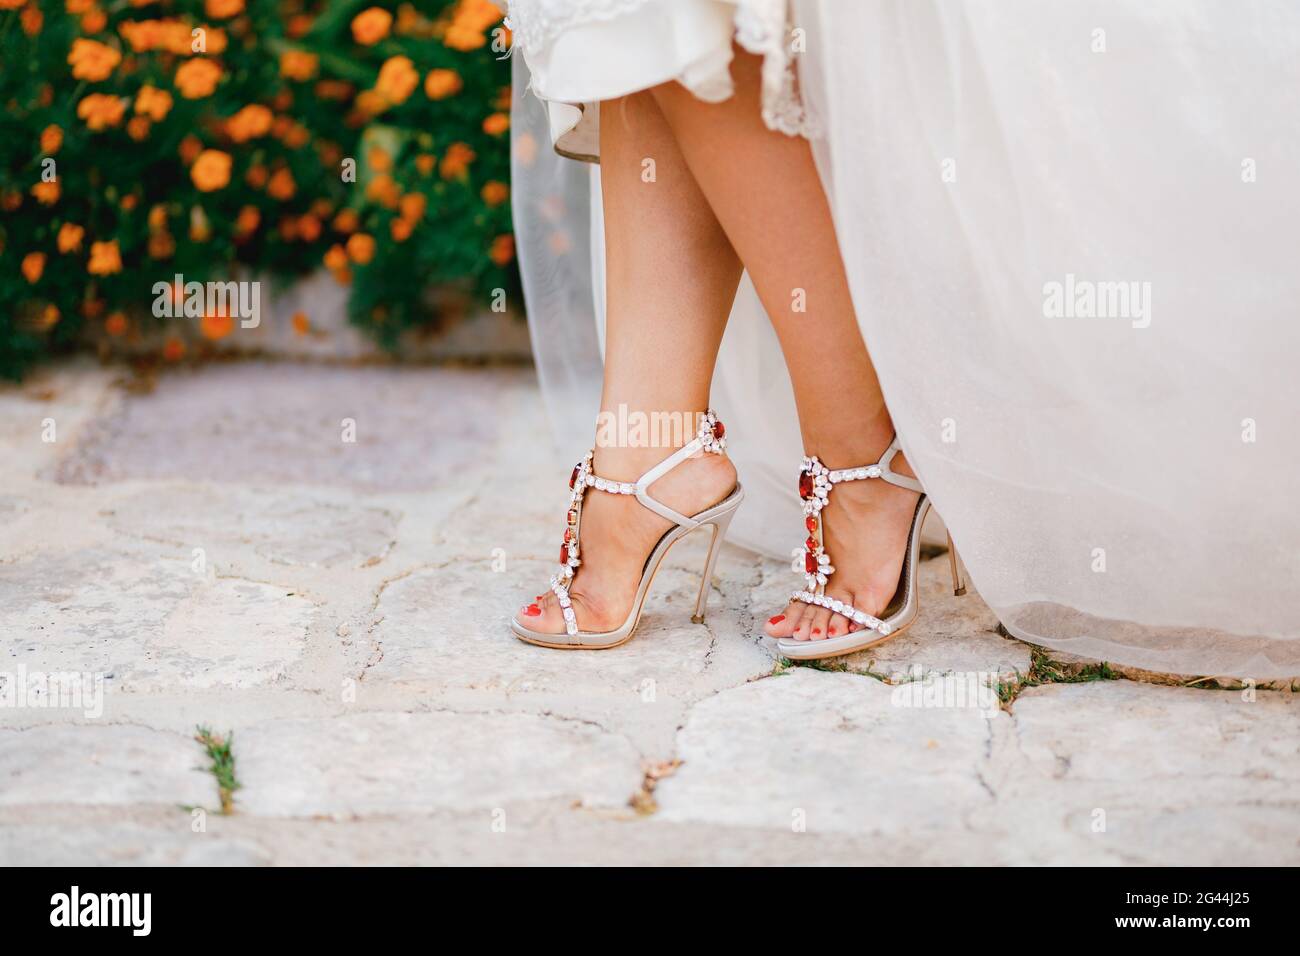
(218, 554)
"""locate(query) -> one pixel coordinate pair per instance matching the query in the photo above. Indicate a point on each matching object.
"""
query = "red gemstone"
(573, 478)
(805, 485)
(564, 553)
(811, 544)
(810, 523)
(718, 430)
(810, 563)
(568, 535)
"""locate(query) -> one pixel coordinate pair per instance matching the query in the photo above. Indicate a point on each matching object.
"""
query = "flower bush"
(144, 138)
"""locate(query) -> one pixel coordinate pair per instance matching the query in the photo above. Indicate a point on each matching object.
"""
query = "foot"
(865, 526)
(618, 534)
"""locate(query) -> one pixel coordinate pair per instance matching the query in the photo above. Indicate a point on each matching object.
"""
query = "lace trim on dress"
(763, 27)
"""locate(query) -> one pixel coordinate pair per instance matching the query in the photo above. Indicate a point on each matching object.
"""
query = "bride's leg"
(765, 190)
(670, 277)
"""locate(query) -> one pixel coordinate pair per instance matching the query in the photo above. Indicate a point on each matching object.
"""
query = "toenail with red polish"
(817, 630)
(831, 630)
(776, 620)
(532, 610)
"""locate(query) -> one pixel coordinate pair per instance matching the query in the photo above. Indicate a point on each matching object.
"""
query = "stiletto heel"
(816, 482)
(954, 564)
(719, 527)
(709, 438)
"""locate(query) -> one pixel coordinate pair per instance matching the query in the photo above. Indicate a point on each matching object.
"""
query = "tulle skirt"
(1070, 235)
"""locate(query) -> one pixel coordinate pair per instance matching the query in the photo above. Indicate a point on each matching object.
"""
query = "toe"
(821, 620)
(543, 615)
(837, 625)
(782, 625)
(802, 622)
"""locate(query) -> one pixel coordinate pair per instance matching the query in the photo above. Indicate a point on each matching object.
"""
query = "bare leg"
(671, 277)
(765, 190)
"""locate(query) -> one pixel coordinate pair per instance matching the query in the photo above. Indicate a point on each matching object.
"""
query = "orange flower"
(464, 38)
(173, 350)
(412, 206)
(216, 41)
(197, 78)
(379, 159)
(299, 24)
(47, 194)
(503, 250)
(401, 230)
(301, 324)
(297, 65)
(216, 326)
(33, 266)
(425, 163)
(75, 7)
(161, 245)
(309, 228)
(51, 139)
(397, 79)
(455, 162)
(496, 124)
(101, 111)
(32, 20)
(281, 185)
(361, 248)
(335, 259)
(440, 84)
(383, 190)
(10, 200)
(495, 193)
(250, 122)
(346, 221)
(296, 136)
(371, 25)
(370, 103)
(130, 200)
(223, 9)
(105, 259)
(247, 222)
(256, 176)
(153, 103)
(92, 60)
(190, 148)
(158, 217)
(50, 316)
(70, 236)
(93, 20)
(211, 170)
(115, 324)
(137, 127)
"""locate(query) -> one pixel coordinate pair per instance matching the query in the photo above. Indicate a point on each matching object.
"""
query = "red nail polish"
(817, 630)
(831, 631)
(776, 620)
(532, 610)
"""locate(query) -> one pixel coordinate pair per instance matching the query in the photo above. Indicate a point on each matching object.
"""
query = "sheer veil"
(1071, 238)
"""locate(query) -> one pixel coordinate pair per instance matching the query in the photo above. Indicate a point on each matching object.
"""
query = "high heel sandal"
(709, 438)
(816, 482)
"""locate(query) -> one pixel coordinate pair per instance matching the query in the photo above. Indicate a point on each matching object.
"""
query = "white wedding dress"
(1071, 236)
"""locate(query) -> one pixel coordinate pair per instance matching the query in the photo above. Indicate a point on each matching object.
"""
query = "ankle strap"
(881, 469)
(708, 438)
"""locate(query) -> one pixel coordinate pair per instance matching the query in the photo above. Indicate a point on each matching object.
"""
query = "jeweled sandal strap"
(869, 621)
(815, 484)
